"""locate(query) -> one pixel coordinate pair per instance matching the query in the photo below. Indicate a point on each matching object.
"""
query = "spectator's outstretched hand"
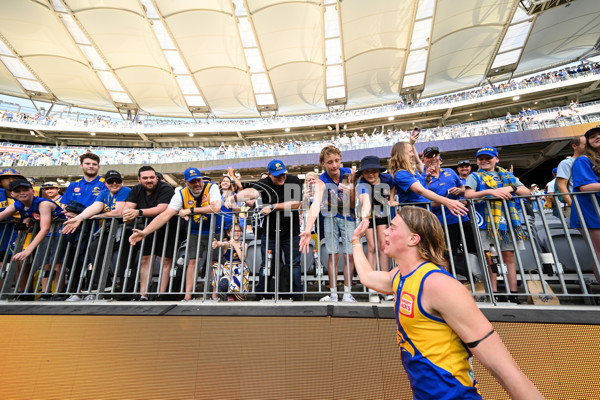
(456, 207)
(71, 225)
(136, 237)
(21, 256)
(304, 241)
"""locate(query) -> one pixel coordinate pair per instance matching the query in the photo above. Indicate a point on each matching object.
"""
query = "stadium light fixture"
(335, 75)
(512, 45)
(287, 129)
(187, 85)
(261, 85)
(413, 80)
(92, 133)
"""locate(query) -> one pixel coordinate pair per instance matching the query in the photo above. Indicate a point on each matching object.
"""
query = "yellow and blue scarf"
(496, 207)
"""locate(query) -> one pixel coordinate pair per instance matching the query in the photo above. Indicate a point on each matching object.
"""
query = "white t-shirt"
(214, 194)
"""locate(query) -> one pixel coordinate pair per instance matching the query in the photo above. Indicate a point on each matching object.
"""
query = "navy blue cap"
(276, 168)
(592, 131)
(19, 183)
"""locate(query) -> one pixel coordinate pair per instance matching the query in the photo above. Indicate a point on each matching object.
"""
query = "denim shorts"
(338, 228)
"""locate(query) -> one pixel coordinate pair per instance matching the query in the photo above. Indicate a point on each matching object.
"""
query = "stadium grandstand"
(220, 199)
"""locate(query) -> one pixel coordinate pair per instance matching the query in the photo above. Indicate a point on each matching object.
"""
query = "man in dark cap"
(281, 195)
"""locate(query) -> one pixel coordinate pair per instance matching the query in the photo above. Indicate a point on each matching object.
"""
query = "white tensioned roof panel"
(210, 43)
(227, 93)
(71, 82)
(8, 83)
(132, 50)
(291, 33)
(302, 91)
(562, 34)
(375, 40)
(39, 37)
(465, 34)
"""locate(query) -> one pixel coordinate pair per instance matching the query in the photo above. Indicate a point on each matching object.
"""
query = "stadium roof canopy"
(241, 58)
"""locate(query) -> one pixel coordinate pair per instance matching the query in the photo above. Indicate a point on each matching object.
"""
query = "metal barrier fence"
(554, 264)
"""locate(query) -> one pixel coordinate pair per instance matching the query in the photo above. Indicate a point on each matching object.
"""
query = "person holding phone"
(334, 198)
(404, 165)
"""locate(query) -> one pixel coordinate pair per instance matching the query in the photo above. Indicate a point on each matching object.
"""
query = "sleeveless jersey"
(33, 212)
(437, 362)
(189, 201)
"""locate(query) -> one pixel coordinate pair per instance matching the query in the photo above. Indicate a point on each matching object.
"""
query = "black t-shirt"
(291, 190)
(162, 194)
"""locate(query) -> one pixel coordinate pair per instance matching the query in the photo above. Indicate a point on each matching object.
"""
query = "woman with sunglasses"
(404, 165)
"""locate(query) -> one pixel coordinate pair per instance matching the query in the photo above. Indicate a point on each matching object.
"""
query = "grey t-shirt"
(564, 171)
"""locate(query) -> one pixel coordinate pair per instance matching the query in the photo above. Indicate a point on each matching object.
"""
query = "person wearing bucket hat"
(7, 175)
(196, 203)
(44, 211)
(493, 181)
(373, 188)
(51, 191)
(585, 179)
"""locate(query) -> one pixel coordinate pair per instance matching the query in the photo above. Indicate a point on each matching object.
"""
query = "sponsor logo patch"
(77, 190)
(407, 302)
(190, 202)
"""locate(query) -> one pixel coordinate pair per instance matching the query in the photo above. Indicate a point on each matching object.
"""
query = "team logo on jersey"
(407, 302)
(190, 202)
(77, 190)
(36, 216)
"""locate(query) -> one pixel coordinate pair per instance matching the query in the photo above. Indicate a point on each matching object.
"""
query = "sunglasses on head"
(465, 162)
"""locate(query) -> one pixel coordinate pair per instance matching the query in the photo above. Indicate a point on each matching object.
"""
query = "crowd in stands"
(68, 254)
(12, 116)
(12, 155)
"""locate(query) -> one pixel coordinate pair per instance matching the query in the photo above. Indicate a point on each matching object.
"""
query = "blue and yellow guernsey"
(437, 362)
(189, 201)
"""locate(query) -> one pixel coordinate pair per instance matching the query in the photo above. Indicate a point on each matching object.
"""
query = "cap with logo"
(192, 173)
(112, 174)
(276, 168)
(488, 151)
(19, 183)
(11, 172)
